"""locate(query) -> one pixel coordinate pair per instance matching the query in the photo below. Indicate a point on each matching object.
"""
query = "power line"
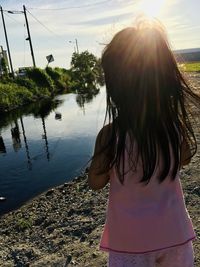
(13, 18)
(71, 7)
(42, 24)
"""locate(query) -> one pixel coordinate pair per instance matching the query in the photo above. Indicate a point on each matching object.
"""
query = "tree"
(85, 72)
(99, 73)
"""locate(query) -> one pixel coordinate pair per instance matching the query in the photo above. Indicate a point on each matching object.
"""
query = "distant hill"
(188, 50)
(187, 55)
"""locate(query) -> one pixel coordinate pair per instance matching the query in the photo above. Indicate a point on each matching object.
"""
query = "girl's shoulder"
(106, 128)
(105, 133)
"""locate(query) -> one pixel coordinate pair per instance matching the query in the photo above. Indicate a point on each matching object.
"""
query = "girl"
(140, 151)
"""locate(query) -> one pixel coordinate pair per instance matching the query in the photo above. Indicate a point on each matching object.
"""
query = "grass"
(13, 94)
(23, 223)
(45, 83)
(37, 84)
(190, 67)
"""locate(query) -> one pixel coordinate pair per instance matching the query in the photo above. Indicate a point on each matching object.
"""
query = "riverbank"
(36, 85)
(65, 223)
(85, 76)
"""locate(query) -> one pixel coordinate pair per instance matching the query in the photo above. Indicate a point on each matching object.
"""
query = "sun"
(151, 8)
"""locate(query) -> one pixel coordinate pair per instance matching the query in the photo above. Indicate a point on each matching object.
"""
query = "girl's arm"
(95, 180)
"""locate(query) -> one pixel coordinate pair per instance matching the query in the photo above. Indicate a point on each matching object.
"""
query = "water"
(44, 149)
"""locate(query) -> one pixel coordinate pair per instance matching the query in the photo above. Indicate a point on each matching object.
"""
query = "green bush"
(12, 95)
(84, 77)
(53, 73)
(41, 78)
(29, 84)
(45, 92)
(37, 84)
(59, 76)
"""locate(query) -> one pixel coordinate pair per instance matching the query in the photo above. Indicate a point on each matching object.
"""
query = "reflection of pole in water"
(81, 102)
(83, 108)
(16, 137)
(26, 145)
(44, 136)
(2, 146)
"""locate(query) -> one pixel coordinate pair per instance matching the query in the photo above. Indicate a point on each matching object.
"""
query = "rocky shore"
(62, 227)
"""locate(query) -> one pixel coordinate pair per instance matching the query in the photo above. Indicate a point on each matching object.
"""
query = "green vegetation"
(59, 76)
(40, 78)
(86, 73)
(13, 94)
(190, 67)
(84, 78)
(23, 223)
(36, 84)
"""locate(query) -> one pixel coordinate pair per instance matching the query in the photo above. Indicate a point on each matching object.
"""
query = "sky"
(55, 25)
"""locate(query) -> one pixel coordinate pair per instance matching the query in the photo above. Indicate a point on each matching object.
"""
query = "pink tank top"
(145, 218)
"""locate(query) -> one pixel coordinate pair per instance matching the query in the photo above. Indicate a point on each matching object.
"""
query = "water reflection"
(15, 133)
(83, 98)
(40, 110)
(44, 136)
(26, 145)
(2, 146)
(46, 144)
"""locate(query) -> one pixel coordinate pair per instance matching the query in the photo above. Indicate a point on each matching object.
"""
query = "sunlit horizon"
(55, 26)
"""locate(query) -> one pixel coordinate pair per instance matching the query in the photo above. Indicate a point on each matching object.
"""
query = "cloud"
(91, 26)
(104, 20)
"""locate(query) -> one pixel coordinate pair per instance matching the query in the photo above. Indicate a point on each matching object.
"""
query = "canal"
(46, 144)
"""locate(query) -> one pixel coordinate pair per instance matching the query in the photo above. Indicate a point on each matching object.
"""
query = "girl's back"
(147, 140)
(154, 216)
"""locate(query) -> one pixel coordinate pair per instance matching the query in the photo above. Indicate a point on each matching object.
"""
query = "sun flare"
(151, 8)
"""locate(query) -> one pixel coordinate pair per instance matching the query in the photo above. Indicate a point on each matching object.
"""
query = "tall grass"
(59, 76)
(38, 83)
(41, 83)
(14, 95)
(41, 78)
(190, 67)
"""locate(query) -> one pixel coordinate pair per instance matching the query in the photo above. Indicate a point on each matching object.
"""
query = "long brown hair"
(148, 99)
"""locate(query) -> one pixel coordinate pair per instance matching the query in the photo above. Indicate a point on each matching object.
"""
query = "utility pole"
(7, 44)
(29, 37)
